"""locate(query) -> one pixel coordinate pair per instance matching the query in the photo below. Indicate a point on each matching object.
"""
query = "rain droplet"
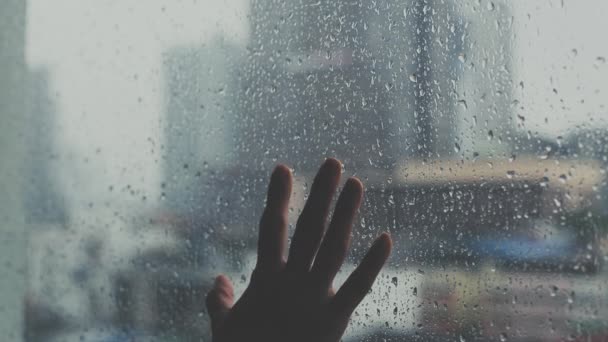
(544, 182)
(557, 202)
(463, 104)
(462, 57)
(490, 135)
(456, 147)
(571, 298)
(554, 290)
(413, 78)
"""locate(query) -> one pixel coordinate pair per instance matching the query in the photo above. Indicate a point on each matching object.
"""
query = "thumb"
(219, 301)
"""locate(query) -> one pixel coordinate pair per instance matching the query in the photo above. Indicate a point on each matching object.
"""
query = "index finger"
(272, 242)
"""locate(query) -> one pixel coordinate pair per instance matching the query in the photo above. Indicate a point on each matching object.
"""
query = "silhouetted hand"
(293, 300)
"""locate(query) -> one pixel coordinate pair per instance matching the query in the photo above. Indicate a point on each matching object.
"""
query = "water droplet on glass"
(571, 298)
(557, 202)
(544, 182)
(554, 290)
(463, 104)
(462, 57)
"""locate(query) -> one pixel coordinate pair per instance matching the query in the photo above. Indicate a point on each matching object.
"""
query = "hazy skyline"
(105, 64)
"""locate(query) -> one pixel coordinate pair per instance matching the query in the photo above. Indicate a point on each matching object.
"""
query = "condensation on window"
(135, 169)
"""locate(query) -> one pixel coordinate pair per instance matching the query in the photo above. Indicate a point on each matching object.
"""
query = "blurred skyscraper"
(484, 89)
(44, 204)
(314, 87)
(201, 91)
(372, 84)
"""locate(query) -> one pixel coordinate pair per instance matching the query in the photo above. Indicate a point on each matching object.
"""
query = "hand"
(293, 300)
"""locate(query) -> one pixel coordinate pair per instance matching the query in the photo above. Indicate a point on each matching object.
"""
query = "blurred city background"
(137, 139)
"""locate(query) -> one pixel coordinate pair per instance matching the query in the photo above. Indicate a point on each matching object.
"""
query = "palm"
(294, 300)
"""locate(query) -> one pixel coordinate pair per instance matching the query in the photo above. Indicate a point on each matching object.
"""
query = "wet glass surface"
(138, 168)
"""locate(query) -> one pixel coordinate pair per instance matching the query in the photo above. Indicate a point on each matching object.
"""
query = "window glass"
(138, 138)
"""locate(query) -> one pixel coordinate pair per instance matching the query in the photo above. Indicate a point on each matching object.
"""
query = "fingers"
(311, 223)
(337, 239)
(272, 242)
(219, 302)
(360, 281)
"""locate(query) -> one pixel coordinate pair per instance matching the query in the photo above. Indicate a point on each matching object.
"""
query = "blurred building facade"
(375, 84)
(200, 83)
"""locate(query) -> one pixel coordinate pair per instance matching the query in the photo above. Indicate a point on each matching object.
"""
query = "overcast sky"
(105, 64)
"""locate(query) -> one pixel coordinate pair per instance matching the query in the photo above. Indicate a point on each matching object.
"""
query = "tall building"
(486, 122)
(44, 204)
(12, 225)
(44, 209)
(314, 87)
(201, 84)
(373, 83)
